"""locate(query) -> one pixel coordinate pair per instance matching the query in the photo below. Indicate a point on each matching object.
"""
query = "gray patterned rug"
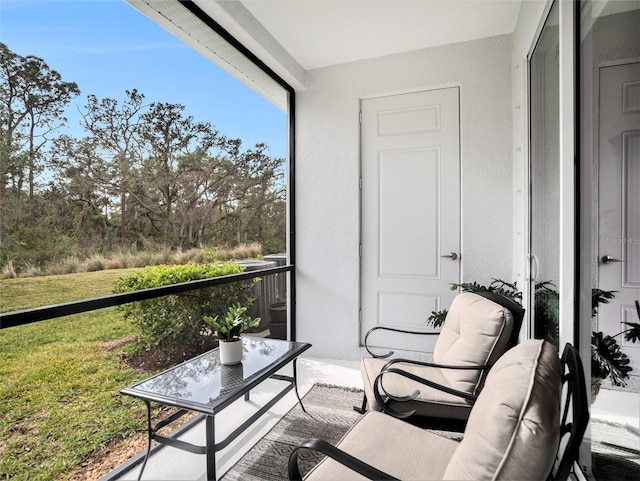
(615, 451)
(330, 415)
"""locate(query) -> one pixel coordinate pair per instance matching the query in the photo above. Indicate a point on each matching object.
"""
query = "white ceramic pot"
(231, 352)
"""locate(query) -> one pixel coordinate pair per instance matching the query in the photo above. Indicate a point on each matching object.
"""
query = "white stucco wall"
(327, 173)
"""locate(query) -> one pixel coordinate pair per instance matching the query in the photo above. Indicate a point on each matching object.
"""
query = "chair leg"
(363, 408)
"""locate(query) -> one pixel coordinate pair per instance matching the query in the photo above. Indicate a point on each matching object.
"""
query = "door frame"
(634, 376)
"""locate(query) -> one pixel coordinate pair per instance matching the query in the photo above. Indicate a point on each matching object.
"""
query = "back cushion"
(513, 428)
(476, 332)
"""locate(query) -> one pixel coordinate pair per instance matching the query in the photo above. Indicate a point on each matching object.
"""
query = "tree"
(182, 169)
(145, 173)
(178, 177)
(116, 132)
(80, 178)
(32, 102)
(258, 193)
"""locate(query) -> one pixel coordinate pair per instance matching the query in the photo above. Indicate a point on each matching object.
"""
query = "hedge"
(173, 323)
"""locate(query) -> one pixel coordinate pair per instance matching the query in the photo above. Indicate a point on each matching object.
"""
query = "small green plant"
(234, 323)
(510, 290)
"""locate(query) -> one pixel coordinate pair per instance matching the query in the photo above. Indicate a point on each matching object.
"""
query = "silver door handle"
(453, 256)
(609, 260)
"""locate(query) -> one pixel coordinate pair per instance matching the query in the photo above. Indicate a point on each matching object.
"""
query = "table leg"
(211, 448)
(295, 383)
(150, 436)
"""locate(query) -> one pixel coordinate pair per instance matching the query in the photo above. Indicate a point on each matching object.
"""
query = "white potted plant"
(229, 328)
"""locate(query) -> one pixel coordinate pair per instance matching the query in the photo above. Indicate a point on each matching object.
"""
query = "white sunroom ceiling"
(319, 33)
(294, 36)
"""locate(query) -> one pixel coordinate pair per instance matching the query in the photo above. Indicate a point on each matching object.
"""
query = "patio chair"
(478, 329)
(515, 430)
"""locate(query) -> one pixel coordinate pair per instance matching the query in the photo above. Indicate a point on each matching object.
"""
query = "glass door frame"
(568, 275)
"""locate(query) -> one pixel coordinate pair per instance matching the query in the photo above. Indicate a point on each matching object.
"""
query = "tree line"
(143, 175)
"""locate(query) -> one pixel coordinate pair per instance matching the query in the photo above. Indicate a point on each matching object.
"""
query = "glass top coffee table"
(204, 385)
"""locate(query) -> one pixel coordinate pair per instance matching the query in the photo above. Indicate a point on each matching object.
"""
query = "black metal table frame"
(211, 447)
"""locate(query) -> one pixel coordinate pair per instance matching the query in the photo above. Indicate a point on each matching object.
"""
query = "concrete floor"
(172, 464)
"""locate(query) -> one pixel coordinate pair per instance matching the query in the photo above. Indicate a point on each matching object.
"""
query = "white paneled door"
(410, 234)
(619, 202)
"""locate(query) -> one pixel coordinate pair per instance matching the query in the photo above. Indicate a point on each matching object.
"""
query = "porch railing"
(27, 316)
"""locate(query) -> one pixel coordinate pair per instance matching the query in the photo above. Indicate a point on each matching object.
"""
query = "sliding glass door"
(544, 180)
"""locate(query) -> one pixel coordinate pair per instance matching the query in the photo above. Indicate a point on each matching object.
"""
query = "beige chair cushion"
(395, 447)
(476, 332)
(512, 432)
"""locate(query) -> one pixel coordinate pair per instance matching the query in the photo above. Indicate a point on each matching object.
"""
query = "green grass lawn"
(59, 387)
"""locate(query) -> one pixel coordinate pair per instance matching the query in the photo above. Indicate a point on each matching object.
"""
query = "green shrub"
(173, 323)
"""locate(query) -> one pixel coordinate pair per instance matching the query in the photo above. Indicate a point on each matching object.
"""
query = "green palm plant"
(607, 359)
(436, 319)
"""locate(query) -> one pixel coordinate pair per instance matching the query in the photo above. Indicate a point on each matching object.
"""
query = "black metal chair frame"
(384, 401)
(573, 422)
(574, 416)
(321, 446)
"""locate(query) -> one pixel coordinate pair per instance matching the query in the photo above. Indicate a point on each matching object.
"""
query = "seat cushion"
(512, 431)
(476, 332)
(390, 445)
(430, 402)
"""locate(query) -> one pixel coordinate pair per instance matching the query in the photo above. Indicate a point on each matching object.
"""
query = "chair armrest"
(392, 329)
(484, 367)
(384, 404)
(337, 455)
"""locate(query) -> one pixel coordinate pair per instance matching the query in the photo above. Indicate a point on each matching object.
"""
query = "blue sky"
(107, 47)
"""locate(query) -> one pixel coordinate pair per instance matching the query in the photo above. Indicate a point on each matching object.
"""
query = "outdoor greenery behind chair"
(510, 291)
